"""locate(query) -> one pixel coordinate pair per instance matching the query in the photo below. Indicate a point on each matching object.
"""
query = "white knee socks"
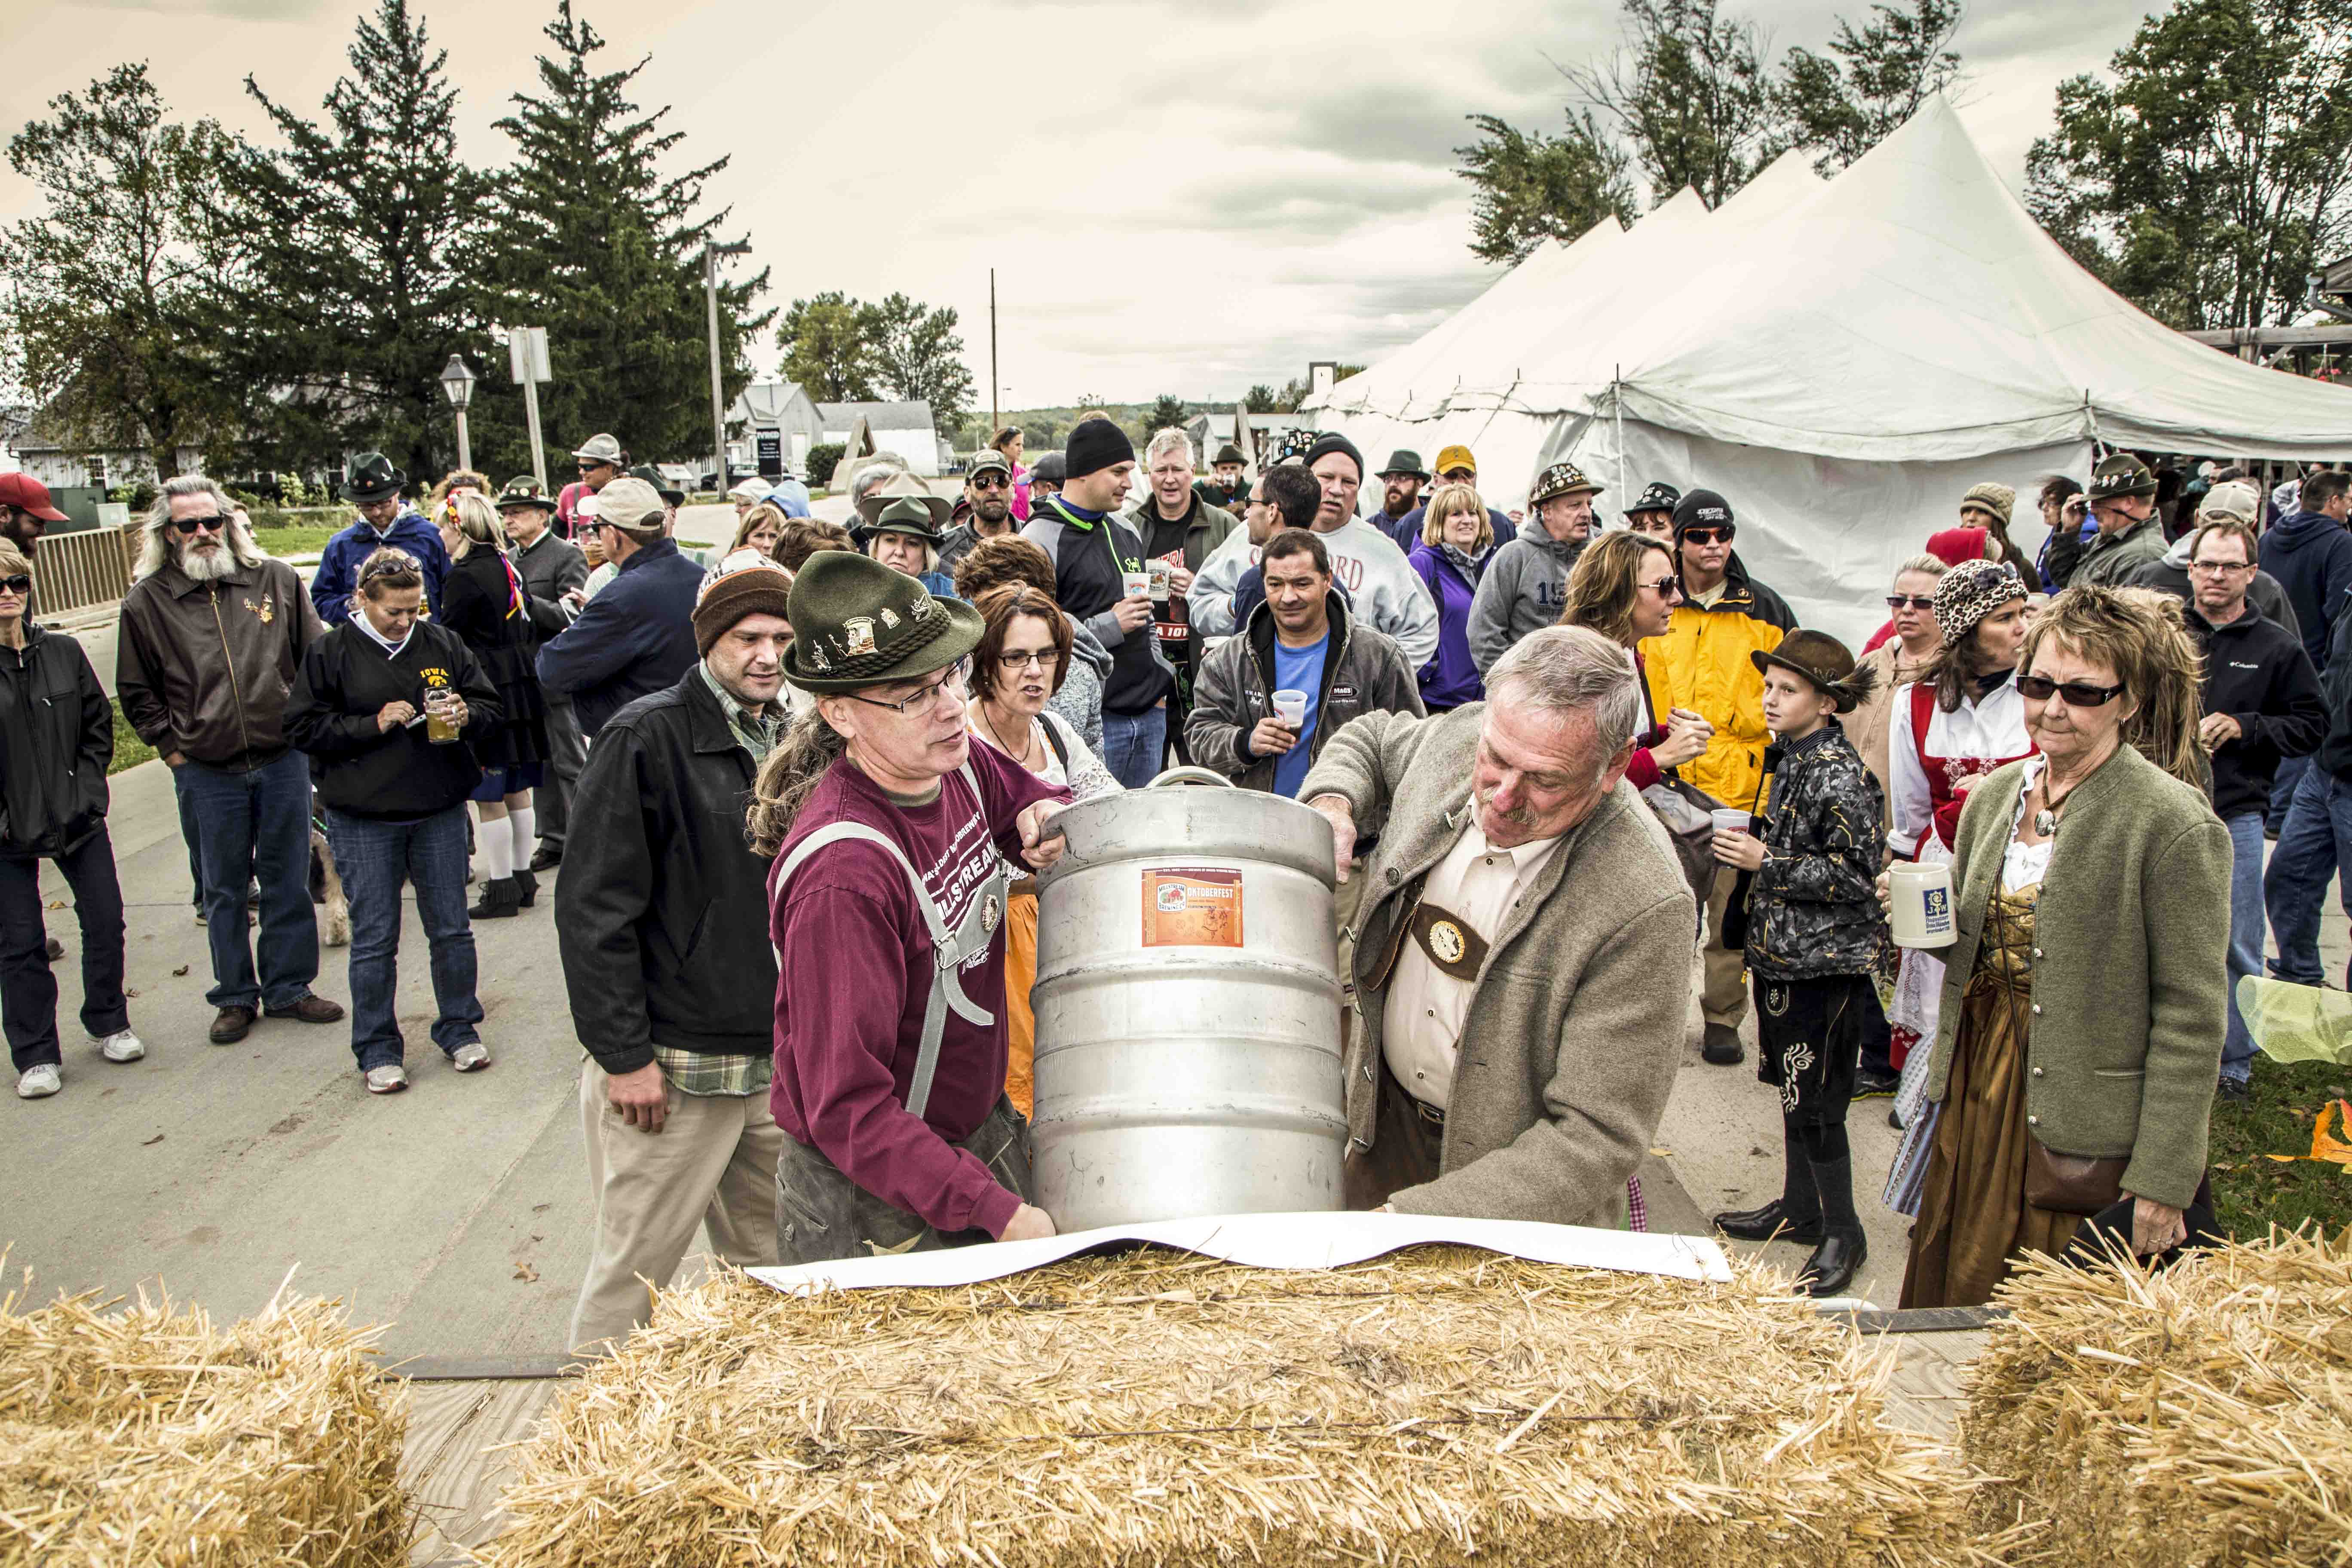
(494, 848)
(526, 833)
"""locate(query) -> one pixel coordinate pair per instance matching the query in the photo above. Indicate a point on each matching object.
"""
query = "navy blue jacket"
(1407, 529)
(635, 638)
(338, 576)
(2311, 556)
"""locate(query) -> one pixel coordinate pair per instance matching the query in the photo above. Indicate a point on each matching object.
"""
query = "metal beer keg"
(1188, 1009)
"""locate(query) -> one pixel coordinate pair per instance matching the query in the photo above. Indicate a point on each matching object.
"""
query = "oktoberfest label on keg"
(1191, 906)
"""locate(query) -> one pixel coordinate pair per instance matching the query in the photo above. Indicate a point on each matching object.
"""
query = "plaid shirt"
(756, 735)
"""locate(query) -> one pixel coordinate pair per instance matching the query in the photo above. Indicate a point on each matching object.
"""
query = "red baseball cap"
(26, 493)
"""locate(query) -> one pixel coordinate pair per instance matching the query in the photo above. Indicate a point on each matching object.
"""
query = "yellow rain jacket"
(1702, 663)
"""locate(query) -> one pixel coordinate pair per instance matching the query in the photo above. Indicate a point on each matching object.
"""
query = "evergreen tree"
(599, 247)
(366, 236)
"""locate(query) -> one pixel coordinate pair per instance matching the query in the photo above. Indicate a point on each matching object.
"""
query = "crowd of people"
(795, 792)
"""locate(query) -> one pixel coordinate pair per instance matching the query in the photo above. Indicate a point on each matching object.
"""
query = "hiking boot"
(471, 1056)
(1771, 1222)
(549, 858)
(1720, 1045)
(500, 902)
(526, 888)
(309, 1010)
(1869, 1085)
(1833, 1264)
(389, 1079)
(40, 1082)
(122, 1046)
(230, 1025)
(2234, 1089)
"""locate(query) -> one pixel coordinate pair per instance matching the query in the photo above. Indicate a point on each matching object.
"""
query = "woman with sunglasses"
(57, 737)
(1962, 718)
(1023, 658)
(2073, 1070)
(1912, 640)
(1624, 586)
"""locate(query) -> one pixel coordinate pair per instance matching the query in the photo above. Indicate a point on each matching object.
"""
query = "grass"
(285, 542)
(2251, 1192)
(129, 751)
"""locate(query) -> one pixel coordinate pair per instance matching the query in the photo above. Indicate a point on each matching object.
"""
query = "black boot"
(526, 888)
(1794, 1216)
(500, 900)
(1843, 1248)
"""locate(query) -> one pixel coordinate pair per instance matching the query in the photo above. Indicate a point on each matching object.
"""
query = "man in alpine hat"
(2122, 502)
(905, 525)
(1526, 584)
(1652, 511)
(1401, 483)
(891, 832)
(374, 486)
(1230, 487)
(1455, 466)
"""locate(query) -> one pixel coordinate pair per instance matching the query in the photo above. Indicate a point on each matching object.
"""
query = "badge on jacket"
(266, 607)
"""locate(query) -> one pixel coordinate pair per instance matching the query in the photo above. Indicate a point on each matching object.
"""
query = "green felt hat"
(857, 623)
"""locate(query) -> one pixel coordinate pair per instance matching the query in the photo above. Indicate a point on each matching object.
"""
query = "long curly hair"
(2138, 633)
(789, 775)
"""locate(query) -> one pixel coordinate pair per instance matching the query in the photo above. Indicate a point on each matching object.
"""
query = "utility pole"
(995, 420)
(710, 255)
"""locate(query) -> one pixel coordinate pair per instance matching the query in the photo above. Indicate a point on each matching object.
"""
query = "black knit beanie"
(1095, 444)
(1335, 442)
(1701, 508)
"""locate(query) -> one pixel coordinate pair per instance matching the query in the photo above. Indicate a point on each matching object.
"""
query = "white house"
(905, 429)
(778, 424)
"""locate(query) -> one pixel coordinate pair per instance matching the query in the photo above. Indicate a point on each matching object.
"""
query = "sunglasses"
(1708, 535)
(2077, 693)
(19, 584)
(991, 482)
(1664, 588)
(1914, 601)
(216, 524)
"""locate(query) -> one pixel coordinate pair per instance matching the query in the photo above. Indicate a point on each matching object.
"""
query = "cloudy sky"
(1181, 197)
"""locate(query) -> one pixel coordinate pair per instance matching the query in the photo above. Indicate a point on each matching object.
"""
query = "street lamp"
(710, 254)
(458, 380)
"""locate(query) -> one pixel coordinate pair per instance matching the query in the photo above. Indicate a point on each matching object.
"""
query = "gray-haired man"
(1527, 1085)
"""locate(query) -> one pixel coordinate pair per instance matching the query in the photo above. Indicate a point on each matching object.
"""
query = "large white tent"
(1841, 359)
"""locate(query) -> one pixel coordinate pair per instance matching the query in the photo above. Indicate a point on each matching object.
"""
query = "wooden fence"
(82, 569)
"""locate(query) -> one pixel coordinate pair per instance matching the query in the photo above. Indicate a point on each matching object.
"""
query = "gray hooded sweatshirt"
(1524, 590)
(1386, 593)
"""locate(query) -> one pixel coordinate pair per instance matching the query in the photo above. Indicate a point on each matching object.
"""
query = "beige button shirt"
(1421, 1026)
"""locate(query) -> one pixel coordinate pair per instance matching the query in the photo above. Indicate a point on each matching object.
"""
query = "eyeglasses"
(1664, 588)
(1708, 535)
(2218, 568)
(1043, 658)
(990, 483)
(215, 523)
(954, 682)
(20, 583)
(1911, 600)
(2077, 693)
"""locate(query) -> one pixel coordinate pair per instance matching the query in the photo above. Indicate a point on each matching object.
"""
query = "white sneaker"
(471, 1056)
(390, 1078)
(40, 1082)
(123, 1045)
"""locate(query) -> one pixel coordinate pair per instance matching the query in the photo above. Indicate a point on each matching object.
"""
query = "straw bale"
(1434, 1406)
(2196, 1415)
(144, 1436)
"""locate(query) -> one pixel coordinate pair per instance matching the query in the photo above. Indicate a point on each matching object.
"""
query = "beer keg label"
(1191, 906)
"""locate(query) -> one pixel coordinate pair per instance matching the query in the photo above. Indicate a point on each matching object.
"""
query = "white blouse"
(1992, 726)
(2023, 864)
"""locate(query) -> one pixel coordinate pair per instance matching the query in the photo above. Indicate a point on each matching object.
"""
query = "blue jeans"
(375, 859)
(2316, 842)
(1132, 745)
(252, 825)
(2245, 935)
(2290, 774)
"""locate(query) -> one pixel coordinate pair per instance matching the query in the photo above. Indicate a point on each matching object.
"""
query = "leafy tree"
(589, 238)
(1260, 399)
(1690, 90)
(918, 356)
(1531, 186)
(108, 285)
(1168, 411)
(1880, 75)
(365, 274)
(2209, 176)
(829, 348)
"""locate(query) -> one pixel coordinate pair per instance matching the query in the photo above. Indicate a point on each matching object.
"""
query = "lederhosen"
(821, 1214)
(1409, 1133)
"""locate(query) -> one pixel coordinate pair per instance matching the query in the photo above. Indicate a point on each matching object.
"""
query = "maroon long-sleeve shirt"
(856, 965)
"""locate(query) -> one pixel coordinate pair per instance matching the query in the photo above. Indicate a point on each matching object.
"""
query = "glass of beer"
(440, 728)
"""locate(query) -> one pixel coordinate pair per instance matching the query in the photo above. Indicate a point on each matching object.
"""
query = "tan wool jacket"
(2130, 987)
(1573, 1035)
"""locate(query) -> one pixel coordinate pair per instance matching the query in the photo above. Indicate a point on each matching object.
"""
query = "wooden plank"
(454, 1465)
(2274, 337)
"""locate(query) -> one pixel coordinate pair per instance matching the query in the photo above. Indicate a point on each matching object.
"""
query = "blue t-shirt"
(1298, 669)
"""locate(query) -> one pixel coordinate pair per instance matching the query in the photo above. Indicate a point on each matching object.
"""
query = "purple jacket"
(1450, 679)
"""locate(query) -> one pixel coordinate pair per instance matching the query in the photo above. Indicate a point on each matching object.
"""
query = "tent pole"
(1617, 398)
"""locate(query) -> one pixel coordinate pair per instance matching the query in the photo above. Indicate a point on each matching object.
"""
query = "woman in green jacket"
(2084, 1001)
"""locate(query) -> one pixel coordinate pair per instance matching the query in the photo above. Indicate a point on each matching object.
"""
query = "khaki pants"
(713, 1164)
(1723, 995)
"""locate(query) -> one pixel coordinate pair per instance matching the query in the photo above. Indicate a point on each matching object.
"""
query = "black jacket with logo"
(56, 737)
(345, 679)
(2257, 673)
(1089, 559)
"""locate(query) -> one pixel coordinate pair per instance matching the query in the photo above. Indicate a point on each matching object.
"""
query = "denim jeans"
(1132, 745)
(255, 824)
(375, 859)
(2290, 774)
(2245, 934)
(2314, 845)
(28, 991)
